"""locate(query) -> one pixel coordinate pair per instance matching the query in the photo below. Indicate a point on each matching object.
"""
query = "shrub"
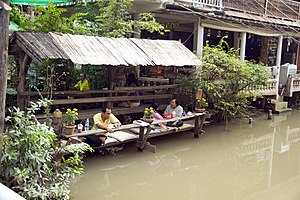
(227, 81)
(33, 163)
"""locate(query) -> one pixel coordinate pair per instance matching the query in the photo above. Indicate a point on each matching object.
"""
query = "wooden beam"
(35, 59)
(4, 35)
(101, 131)
(21, 85)
(109, 99)
(116, 90)
(111, 78)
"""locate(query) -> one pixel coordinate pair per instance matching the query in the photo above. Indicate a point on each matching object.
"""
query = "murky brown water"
(244, 162)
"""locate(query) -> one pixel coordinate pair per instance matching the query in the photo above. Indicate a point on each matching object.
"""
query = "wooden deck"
(144, 131)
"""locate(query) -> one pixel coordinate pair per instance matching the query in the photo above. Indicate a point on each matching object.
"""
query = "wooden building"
(100, 51)
(263, 30)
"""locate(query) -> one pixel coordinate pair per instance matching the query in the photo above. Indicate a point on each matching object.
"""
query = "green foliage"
(33, 163)
(114, 20)
(20, 18)
(227, 81)
(11, 91)
(96, 76)
(49, 19)
(186, 92)
(111, 19)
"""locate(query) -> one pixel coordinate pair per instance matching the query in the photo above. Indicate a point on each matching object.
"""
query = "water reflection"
(241, 161)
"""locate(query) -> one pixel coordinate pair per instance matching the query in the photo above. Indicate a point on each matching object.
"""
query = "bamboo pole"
(4, 33)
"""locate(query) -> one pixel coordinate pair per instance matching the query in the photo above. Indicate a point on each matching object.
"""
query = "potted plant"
(148, 115)
(71, 116)
(201, 105)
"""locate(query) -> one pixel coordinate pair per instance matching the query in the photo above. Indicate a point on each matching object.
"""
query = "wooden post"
(202, 120)
(199, 123)
(22, 80)
(141, 139)
(197, 126)
(243, 45)
(110, 82)
(199, 94)
(4, 34)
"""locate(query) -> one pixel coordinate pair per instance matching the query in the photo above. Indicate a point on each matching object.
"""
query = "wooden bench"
(142, 137)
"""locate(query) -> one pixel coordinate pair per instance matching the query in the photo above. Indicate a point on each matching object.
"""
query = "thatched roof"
(81, 49)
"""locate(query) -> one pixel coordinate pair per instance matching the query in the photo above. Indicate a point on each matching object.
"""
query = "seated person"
(102, 121)
(177, 111)
(120, 77)
(133, 82)
(83, 84)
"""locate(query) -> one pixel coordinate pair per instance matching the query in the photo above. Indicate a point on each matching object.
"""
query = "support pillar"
(236, 44)
(4, 34)
(278, 62)
(243, 45)
(22, 81)
(137, 34)
(198, 38)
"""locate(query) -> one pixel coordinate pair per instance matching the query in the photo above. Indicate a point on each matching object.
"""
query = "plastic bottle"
(87, 125)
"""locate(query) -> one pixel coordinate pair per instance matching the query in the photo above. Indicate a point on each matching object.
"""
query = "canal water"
(241, 161)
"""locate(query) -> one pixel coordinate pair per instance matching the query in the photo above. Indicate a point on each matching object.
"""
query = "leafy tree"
(114, 20)
(49, 19)
(227, 81)
(107, 18)
(33, 162)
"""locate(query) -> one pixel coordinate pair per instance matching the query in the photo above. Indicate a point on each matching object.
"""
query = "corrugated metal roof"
(167, 52)
(40, 45)
(84, 50)
(124, 47)
(81, 49)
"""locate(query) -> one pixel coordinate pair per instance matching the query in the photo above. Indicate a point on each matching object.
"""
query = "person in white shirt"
(176, 111)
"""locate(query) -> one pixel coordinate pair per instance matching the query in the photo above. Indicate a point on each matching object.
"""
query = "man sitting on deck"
(83, 84)
(103, 120)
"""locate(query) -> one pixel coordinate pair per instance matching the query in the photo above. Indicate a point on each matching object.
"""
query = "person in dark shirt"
(133, 82)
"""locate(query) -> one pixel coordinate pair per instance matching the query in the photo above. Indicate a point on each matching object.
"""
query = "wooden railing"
(268, 90)
(146, 81)
(287, 9)
(89, 102)
(203, 3)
